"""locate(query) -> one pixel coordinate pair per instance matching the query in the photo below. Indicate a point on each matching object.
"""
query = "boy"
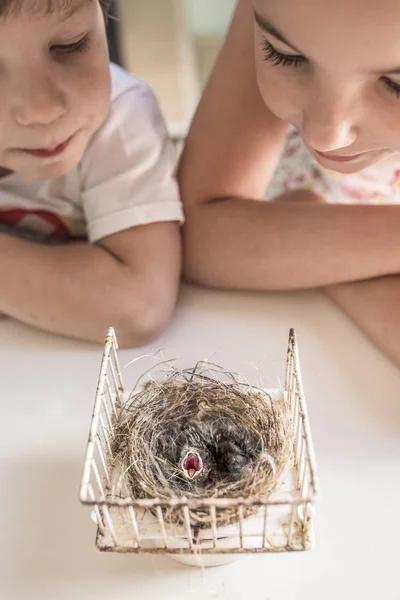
(85, 165)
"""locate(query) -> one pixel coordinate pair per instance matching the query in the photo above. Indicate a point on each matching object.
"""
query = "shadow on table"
(52, 536)
(15, 336)
(337, 360)
(370, 379)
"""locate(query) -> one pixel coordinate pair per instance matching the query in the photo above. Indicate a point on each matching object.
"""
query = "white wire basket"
(282, 522)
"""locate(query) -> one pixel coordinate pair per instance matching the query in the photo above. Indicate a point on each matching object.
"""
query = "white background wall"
(172, 44)
(208, 17)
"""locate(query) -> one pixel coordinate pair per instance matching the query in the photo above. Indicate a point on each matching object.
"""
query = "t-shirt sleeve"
(128, 171)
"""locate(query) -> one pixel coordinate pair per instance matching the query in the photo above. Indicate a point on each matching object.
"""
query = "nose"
(38, 101)
(329, 124)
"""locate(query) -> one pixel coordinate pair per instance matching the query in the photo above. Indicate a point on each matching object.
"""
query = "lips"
(50, 152)
(337, 158)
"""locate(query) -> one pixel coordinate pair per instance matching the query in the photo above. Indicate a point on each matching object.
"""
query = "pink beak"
(192, 465)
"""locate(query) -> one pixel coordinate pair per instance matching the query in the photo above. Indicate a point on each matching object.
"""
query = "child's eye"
(281, 60)
(79, 46)
(394, 88)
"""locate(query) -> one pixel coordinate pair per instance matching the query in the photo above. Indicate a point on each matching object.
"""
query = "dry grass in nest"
(206, 394)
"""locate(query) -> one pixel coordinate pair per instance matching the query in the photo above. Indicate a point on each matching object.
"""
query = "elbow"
(193, 259)
(193, 272)
(133, 333)
(203, 248)
(143, 321)
(201, 264)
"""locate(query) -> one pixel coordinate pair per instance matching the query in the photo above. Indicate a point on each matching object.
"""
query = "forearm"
(374, 306)
(283, 245)
(73, 289)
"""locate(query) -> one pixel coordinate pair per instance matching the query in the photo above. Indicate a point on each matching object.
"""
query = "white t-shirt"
(125, 177)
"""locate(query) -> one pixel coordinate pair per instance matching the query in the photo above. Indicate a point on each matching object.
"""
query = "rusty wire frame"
(114, 513)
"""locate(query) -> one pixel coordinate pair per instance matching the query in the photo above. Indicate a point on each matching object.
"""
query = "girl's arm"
(231, 238)
(374, 306)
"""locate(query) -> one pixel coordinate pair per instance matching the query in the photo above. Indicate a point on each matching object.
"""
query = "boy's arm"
(129, 280)
(233, 240)
(374, 306)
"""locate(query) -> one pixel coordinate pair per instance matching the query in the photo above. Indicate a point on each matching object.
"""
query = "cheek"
(92, 87)
(277, 90)
(389, 140)
(95, 94)
(383, 124)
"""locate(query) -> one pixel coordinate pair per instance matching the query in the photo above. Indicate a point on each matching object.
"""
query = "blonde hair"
(13, 7)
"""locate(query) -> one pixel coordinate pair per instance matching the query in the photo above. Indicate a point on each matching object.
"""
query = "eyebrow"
(395, 71)
(269, 28)
(71, 9)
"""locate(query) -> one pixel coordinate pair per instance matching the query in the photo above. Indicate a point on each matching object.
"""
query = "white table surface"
(47, 388)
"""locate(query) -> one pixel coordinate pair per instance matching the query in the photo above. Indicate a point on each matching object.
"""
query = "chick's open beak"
(192, 465)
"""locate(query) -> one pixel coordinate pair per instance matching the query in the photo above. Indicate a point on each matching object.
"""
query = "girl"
(304, 102)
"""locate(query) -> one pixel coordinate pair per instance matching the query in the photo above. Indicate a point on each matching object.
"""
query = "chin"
(347, 169)
(60, 166)
(54, 170)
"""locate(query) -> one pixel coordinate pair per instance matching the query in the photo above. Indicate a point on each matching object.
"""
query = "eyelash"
(287, 60)
(80, 46)
(281, 60)
(394, 88)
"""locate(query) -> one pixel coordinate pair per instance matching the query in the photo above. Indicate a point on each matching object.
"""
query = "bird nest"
(203, 433)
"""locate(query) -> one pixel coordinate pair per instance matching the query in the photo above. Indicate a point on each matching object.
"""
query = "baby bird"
(235, 450)
(196, 461)
(187, 455)
(192, 464)
(208, 452)
(232, 460)
(197, 465)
